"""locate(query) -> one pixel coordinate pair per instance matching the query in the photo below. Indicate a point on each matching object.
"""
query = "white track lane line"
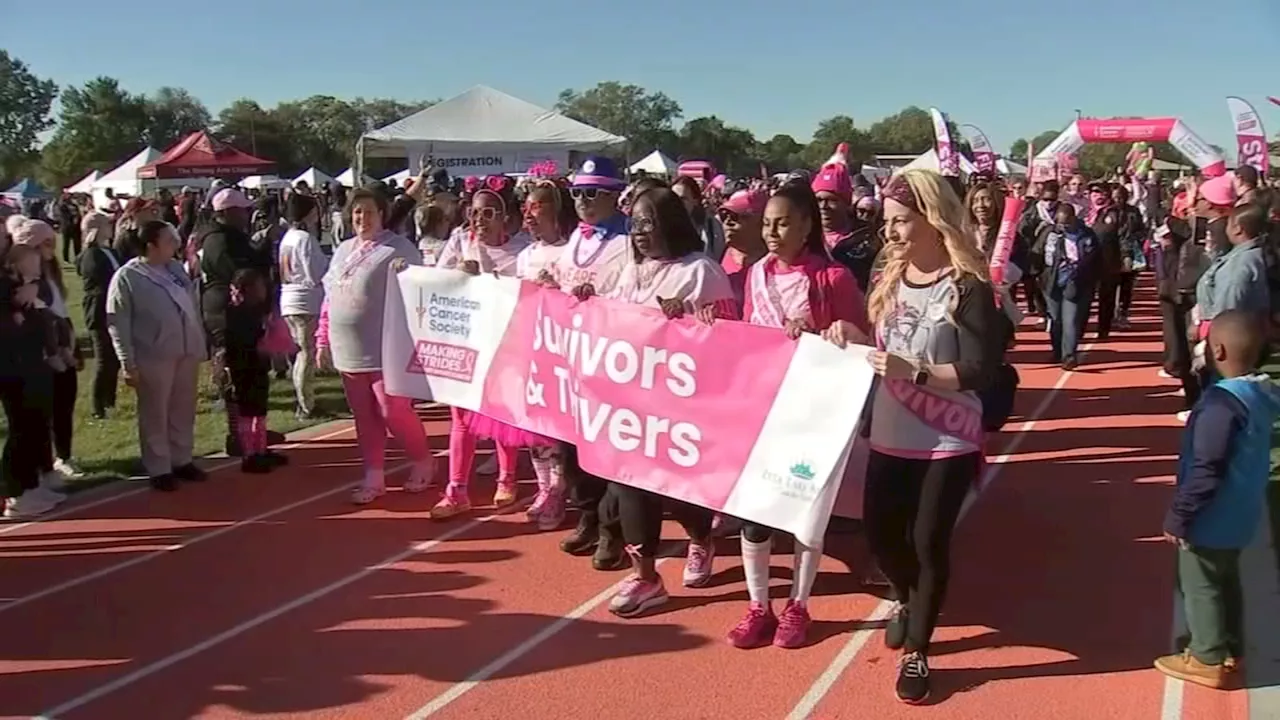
(823, 684)
(111, 496)
(170, 660)
(199, 538)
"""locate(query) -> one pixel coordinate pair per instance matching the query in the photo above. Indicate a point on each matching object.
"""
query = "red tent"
(202, 155)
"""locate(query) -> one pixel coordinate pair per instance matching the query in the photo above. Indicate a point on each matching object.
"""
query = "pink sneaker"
(793, 626)
(698, 565)
(637, 596)
(553, 511)
(539, 506)
(755, 629)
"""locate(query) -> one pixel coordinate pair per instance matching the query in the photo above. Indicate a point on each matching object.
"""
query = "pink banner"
(984, 155)
(1251, 138)
(944, 145)
(1126, 129)
(1005, 238)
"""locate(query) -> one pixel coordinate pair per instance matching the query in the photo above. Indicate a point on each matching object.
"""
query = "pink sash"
(946, 415)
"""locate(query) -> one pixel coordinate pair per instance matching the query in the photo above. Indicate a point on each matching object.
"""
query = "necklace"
(595, 255)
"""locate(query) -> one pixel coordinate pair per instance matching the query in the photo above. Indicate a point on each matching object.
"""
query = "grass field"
(108, 448)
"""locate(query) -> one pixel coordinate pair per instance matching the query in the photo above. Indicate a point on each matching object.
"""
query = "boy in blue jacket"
(1222, 478)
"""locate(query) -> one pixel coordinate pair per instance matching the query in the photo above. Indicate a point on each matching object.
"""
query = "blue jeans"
(1066, 321)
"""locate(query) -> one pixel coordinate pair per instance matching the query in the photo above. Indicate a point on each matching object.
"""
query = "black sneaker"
(610, 552)
(190, 473)
(256, 465)
(164, 483)
(232, 445)
(895, 631)
(913, 678)
(584, 538)
(275, 459)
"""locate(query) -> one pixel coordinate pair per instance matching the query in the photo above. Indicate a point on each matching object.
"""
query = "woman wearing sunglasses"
(485, 246)
(591, 264)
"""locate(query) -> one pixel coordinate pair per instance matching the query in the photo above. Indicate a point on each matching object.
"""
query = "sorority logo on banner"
(733, 417)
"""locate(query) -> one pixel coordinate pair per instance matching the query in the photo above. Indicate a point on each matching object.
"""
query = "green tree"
(908, 131)
(781, 152)
(830, 133)
(1018, 151)
(731, 149)
(645, 118)
(247, 125)
(98, 125)
(172, 114)
(25, 101)
(381, 112)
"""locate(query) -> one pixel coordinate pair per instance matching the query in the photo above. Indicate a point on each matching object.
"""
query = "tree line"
(100, 124)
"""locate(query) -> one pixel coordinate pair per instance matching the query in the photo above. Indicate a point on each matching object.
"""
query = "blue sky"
(1012, 67)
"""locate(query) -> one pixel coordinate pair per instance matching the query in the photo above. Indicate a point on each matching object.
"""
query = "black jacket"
(96, 270)
(226, 250)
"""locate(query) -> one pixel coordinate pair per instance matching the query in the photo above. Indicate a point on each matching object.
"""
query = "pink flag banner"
(1013, 208)
(944, 145)
(1251, 139)
(984, 155)
(732, 417)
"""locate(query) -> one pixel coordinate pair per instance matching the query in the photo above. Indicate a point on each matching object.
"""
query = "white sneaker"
(1183, 415)
(67, 470)
(1164, 374)
(27, 505)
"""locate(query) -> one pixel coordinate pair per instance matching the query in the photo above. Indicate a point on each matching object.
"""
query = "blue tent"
(26, 189)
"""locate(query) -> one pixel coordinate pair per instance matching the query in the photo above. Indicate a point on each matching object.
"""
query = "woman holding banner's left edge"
(940, 339)
(669, 272)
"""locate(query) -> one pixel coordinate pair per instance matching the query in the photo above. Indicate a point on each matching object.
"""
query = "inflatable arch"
(1130, 130)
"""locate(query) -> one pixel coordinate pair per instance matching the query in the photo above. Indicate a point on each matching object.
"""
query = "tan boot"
(1186, 667)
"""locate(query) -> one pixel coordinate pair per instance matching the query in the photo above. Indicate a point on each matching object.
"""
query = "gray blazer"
(146, 323)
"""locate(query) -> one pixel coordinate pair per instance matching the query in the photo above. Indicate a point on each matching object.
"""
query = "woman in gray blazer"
(154, 319)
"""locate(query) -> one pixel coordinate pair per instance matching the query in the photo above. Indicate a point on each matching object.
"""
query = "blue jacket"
(1225, 464)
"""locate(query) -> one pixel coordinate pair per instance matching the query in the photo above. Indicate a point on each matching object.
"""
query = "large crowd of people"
(243, 286)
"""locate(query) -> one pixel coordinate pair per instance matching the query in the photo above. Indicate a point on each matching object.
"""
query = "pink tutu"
(502, 433)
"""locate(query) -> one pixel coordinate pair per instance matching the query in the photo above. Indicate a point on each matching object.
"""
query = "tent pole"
(359, 162)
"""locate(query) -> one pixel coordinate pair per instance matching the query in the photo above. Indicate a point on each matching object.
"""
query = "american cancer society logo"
(443, 360)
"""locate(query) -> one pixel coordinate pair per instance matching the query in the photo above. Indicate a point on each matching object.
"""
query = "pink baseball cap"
(746, 202)
(33, 232)
(1220, 191)
(228, 198)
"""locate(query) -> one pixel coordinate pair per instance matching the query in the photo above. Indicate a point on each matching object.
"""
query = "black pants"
(640, 512)
(586, 491)
(70, 245)
(63, 416)
(756, 533)
(1030, 285)
(1177, 348)
(250, 382)
(26, 408)
(106, 374)
(910, 507)
(1115, 292)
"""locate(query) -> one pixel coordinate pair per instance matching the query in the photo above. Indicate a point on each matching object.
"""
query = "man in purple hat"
(591, 264)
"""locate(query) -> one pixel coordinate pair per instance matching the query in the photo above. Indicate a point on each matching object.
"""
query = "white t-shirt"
(302, 267)
(596, 260)
(461, 247)
(694, 279)
(537, 257)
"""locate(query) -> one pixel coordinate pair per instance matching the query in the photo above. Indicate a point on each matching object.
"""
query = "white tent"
(400, 178)
(928, 160)
(85, 184)
(1009, 167)
(486, 132)
(655, 163)
(314, 178)
(263, 182)
(123, 180)
(348, 178)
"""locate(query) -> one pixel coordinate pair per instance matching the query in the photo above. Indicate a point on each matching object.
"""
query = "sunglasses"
(484, 213)
(584, 193)
(728, 217)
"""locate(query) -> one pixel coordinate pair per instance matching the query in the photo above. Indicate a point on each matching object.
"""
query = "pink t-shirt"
(733, 267)
(779, 295)
(694, 279)
(597, 260)
(500, 259)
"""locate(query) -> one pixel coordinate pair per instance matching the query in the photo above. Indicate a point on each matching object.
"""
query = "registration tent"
(486, 132)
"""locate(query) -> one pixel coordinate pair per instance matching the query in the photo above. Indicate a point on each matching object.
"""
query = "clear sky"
(1012, 67)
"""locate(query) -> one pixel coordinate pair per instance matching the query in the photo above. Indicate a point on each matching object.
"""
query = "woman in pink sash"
(797, 288)
(668, 272)
(937, 329)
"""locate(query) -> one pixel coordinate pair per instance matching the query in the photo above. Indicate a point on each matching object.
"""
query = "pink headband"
(899, 191)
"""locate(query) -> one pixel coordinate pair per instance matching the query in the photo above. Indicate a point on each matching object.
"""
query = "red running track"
(251, 596)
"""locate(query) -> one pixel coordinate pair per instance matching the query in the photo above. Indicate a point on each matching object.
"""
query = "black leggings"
(640, 512)
(1115, 293)
(26, 407)
(106, 374)
(587, 493)
(910, 507)
(63, 416)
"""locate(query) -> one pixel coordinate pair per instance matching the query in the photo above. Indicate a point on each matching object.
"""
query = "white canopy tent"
(85, 184)
(655, 163)
(314, 177)
(264, 182)
(348, 178)
(486, 132)
(400, 178)
(928, 160)
(123, 180)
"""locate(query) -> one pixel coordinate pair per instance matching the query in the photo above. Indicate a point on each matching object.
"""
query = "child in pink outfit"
(350, 337)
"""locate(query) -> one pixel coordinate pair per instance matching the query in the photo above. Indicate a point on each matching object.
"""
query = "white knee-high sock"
(804, 566)
(755, 565)
(543, 469)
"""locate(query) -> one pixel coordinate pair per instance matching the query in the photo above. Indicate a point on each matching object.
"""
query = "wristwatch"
(921, 376)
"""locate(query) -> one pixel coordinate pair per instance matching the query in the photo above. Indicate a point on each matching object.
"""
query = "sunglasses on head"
(584, 193)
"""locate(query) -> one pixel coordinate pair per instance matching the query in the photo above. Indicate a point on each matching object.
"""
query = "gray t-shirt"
(913, 421)
(356, 286)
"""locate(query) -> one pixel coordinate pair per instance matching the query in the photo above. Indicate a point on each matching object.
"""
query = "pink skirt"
(502, 433)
